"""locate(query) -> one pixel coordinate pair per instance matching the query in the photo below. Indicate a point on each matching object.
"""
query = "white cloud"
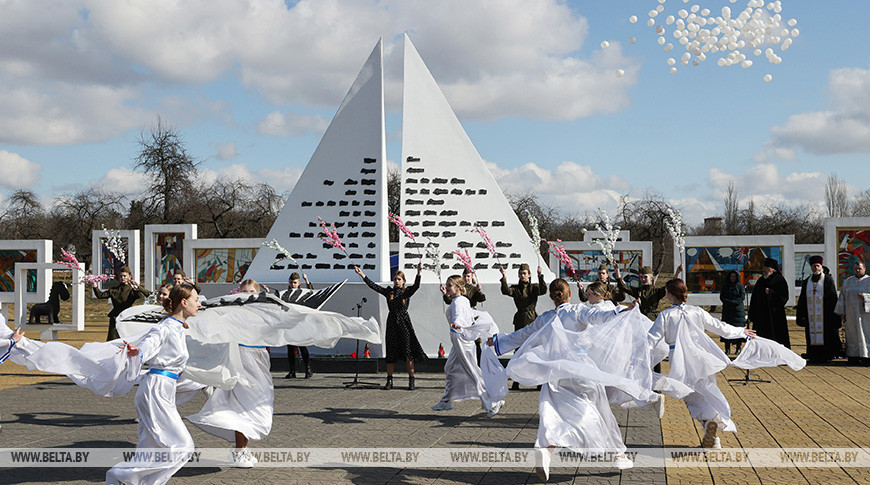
(282, 180)
(573, 188)
(92, 69)
(291, 124)
(124, 180)
(844, 128)
(764, 184)
(227, 151)
(18, 172)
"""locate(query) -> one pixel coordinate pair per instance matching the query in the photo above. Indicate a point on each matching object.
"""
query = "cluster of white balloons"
(758, 29)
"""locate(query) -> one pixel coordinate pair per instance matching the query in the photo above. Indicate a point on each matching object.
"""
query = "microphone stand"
(356, 383)
(747, 378)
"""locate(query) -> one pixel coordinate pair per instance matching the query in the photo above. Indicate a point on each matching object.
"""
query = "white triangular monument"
(447, 189)
(345, 184)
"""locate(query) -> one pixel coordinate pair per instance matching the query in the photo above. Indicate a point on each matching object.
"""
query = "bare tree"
(861, 205)
(23, 216)
(73, 217)
(645, 218)
(836, 198)
(732, 209)
(163, 156)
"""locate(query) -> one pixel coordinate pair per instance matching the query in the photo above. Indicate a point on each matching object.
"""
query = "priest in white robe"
(854, 309)
(815, 313)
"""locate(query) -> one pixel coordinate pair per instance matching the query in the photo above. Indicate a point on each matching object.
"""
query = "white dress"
(574, 412)
(695, 359)
(247, 407)
(160, 425)
(463, 377)
(853, 304)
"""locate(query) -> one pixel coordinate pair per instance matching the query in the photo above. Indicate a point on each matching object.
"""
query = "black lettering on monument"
(350, 182)
(350, 192)
(410, 181)
(434, 202)
(439, 180)
(415, 170)
(306, 204)
(412, 159)
(413, 202)
(368, 171)
(368, 234)
(370, 160)
(456, 192)
(369, 192)
(295, 234)
(369, 181)
(439, 191)
(328, 182)
(448, 234)
(470, 191)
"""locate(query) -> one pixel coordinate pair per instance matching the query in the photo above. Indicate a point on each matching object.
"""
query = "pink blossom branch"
(465, 259)
(558, 250)
(330, 236)
(91, 279)
(68, 259)
(486, 240)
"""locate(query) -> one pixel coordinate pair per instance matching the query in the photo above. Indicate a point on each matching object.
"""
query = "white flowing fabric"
(762, 352)
(494, 374)
(853, 304)
(695, 359)
(219, 365)
(263, 319)
(246, 408)
(160, 425)
(573, 407)
(463, 377)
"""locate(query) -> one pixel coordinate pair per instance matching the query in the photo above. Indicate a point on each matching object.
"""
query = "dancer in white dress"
(245, 411)
(695, 359)
(463, 378)
(160, 426)
(574, 413)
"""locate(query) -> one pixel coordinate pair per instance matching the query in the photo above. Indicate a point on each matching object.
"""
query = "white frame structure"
(645, 248)
(189, 231)
(241, 243)
(811, 249)
(133, 254)
(590, 236)
(43, 248)
(831, 242)
(784, 241)
(77, 299)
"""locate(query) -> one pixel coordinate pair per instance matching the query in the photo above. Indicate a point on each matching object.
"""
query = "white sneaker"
(496, 407)
(243, 458)
(660, 406)
(442, 406)
(717, 445)
(622, 462)
(542, 463)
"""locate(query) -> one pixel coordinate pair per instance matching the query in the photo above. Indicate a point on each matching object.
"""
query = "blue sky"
(252, 86)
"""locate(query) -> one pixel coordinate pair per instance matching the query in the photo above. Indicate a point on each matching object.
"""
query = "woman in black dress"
(733, 311)
(402, 344)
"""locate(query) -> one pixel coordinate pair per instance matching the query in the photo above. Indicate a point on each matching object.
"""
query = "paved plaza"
(820, 406)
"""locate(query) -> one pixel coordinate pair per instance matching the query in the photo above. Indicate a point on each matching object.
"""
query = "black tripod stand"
(747, 378)
(356, 383)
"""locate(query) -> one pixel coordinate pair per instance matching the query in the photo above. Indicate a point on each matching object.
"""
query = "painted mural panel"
(853, 243)
(587, 261)
(168, 255)
(109, 264)
(8, 258)
(223, 265)
(707, 266)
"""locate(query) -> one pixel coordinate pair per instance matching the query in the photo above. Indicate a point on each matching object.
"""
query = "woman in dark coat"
(402, 343)
(767, 304)
(732, 297)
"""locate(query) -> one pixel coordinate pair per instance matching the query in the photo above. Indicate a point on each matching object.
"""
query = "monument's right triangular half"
(447, 189)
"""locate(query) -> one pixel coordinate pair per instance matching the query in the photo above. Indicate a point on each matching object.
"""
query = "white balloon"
(633, 19)
(695, 62)
(660, 30)
(746, 63)
(795, 32)
(673, 70)
(669, 47)
(669, 20)
(650, 22)
(632, 40)
(721, 62)
(605, 44)
(661, 41)
(682, 13)
(671, 61)
(659, 9)
(620, 72)
(653, 13)
(792, 22)
(768, 78)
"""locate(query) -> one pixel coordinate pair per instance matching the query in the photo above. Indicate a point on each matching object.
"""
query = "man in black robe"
(815, 312)
(767, 304)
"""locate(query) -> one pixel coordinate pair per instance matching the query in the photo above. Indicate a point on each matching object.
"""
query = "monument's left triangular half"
(345, 183)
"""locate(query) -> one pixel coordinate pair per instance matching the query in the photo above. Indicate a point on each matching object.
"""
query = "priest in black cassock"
(815, 312)
(767, 304)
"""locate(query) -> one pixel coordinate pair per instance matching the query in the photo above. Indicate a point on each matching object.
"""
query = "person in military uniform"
(616, 293)
(647, 293)
(525, 295)
(122, 296)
